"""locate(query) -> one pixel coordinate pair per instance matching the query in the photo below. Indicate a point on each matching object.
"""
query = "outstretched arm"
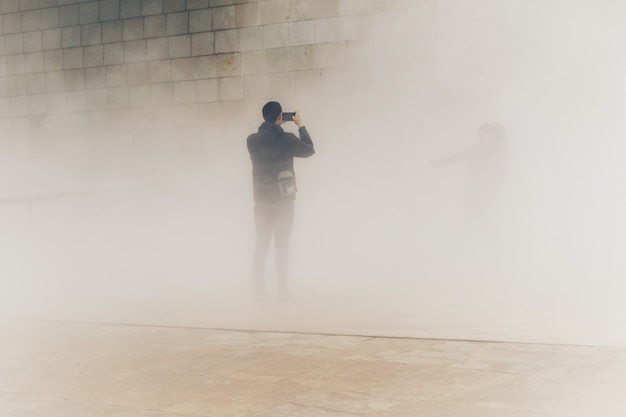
(302, 148)
(452, 159)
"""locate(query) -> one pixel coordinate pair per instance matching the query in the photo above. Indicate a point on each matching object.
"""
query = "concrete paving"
(63, 369)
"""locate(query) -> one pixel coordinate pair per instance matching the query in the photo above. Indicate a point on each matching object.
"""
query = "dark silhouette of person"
(272, 151)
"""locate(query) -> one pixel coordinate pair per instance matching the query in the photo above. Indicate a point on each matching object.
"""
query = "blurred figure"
(485, 170)
(272, 151)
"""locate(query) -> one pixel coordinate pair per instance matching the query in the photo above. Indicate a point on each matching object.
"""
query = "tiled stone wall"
(79, 65)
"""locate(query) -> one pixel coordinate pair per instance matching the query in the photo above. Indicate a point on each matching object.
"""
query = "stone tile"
(93, 56)
(34, 62)
(290, 409)
(99, 121)
(70, 37)
(139, 96)
(130, 8)
(75, 80)
(197, 4)
(158, 372)
(248, 15)
(114, 53)
(227, 41)
(433, 383)
(230, 398)
(228, 65)
(14, 43)
(177, 24)
(51, 39)
(231, 111)
(279, 59)
(301, 33)
(109, 10)
(219, 3)
(20, 405)
(121, 120)
(184, 92)
(550, 395)
(157, 49)
(162, 117)
(253, 62)
(202, 44)
(340, 29)
(329, 374)
(17, 85)
(11, 23)
(19, 106)
(174, 6)
(251, 38)
(223, 18)
(68, 15)
(95, 77)
(324, 8)
(112, 31)
(610, 366)
(442, 408)
(231, 88)
(72, 58)
(76, 103)
(161, 94)
(347, 7)
(276, 36)
(97, 99)
(276, 11)
(151, 7)
(256, 86)
(117, 99)
(116, 75)
(31, 20)
(138, 73)
(132, 29)
(55, 81)
(491, 357)
(154, 26)
(49, 18)
(304, 57)
(57, 102)
(182, 69)
(332, 54)
(204, 67)
(282, 84)
(10, 6)
(5, 106)
(347, 402)
(200, 21)
(89, 12)
(159, 71)
(153, 413)
(179, 46)
(92, 34)
(207, 90)
(135, 51)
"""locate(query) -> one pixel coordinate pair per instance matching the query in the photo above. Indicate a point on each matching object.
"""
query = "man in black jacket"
(272, 151)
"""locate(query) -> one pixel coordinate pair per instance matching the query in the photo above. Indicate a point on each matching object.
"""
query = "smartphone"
(288, 116)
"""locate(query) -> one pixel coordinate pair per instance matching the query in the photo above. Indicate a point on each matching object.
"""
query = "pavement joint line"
(311, 333)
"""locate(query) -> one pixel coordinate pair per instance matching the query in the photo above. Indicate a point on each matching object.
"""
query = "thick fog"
(468, 183)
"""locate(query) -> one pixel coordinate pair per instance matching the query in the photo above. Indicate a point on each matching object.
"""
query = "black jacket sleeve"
(303, 147)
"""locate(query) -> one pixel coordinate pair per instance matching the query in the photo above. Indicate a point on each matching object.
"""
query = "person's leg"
(264, 222)
(282, 233)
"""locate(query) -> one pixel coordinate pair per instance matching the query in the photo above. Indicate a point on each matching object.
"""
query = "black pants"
(272, 219)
